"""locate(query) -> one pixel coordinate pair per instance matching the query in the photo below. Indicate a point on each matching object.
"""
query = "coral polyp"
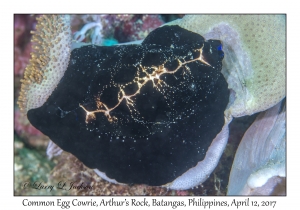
(49, 60)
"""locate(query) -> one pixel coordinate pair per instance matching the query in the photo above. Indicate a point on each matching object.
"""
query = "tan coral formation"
(254, 63)
(49, 60)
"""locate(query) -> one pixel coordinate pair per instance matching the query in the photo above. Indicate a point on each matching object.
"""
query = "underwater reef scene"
(149, 105)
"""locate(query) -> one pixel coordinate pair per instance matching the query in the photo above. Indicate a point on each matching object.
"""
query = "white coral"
(96, 34)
